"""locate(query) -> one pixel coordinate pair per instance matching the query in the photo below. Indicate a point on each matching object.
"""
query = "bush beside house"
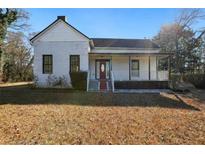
(198, 80)
(79, 80)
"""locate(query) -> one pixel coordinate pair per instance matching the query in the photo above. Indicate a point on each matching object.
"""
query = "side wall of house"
(61, 52)
(61, 41)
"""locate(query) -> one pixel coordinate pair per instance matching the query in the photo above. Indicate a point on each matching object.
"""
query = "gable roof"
(124, 43)
(53, 23)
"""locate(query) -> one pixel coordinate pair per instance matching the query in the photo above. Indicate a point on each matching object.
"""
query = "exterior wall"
(60, 31)
(144, 67)
(120, 68)
(61, 52)
(60, 41)
(153, 68)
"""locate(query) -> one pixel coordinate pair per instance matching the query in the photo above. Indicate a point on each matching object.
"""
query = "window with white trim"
(74, 63)
(135, 68)
(47, 64)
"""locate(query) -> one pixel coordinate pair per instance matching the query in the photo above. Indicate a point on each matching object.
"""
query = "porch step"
(93, 85)
(105, 86)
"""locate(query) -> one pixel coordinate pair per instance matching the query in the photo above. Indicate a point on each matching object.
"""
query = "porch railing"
(112, 81)
(88, 80)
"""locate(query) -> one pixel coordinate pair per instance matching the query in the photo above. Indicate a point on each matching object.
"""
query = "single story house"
(110, 63)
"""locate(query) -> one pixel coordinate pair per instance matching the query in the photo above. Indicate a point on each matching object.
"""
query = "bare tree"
(188, 17)
(10, 20)
(180, 37)
(18, 58)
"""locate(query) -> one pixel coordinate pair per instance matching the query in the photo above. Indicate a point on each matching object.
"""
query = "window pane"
(45, 59)
(74, 63)
(135, 68)
(47, 64)
(49, 60)
(135, 65)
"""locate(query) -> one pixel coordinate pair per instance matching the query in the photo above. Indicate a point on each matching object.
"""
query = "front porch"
(108, 72)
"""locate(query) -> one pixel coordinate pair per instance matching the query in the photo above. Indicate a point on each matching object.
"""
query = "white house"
(111, 63)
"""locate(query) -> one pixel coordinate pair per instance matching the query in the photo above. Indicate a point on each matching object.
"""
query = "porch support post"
(157, 67)
(169, 68)
(129, 69)
(149, 68)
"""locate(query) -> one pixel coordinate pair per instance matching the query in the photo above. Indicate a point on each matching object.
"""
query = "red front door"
(103, 83)
(102, 69)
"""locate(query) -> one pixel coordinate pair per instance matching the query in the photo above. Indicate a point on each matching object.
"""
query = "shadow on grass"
(24, 96)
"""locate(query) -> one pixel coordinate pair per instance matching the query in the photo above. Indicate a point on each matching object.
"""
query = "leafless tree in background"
(180, 38)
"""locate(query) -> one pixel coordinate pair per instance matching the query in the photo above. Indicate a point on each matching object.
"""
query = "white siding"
(60, 31)
(92, 68)
(61, 41)
(144, 68)
(153, 68)
(61, 52)
(120, 67)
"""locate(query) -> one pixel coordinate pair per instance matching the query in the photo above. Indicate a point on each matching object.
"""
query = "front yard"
(37, 116)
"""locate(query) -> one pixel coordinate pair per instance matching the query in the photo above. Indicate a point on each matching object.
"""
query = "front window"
(47, 64)
(135, 68)
(162, 64)
(74, 63)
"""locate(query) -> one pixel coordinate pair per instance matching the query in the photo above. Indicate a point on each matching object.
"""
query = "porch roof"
(125, 43)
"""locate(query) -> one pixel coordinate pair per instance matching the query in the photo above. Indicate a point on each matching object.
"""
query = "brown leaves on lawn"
(87, 124)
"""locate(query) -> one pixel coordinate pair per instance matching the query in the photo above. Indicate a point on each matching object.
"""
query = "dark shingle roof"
(124, 43)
